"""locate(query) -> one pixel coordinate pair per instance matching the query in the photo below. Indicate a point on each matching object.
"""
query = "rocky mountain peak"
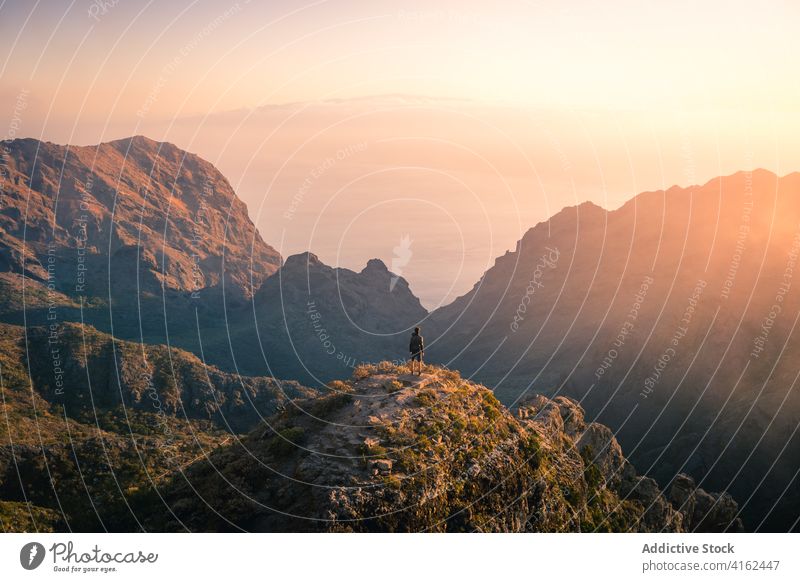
(132, 205)
(304, 260)
(375, 266)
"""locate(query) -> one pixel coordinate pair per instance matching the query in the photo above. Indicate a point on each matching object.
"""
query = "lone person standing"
(417, 348)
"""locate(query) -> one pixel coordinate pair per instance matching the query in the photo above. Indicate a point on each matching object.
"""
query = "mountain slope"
(135, 237)
(670, 319)
(391, 452)
(89, 426)
(137, 205)
(97, 373)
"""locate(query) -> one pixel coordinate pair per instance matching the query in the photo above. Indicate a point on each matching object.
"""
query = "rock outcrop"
(685, 508)
(387, 451)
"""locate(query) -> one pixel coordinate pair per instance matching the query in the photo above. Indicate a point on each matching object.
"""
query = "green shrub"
(363, 371)
(339, 386)
(393, 386)
(594, 479)
(322, 408)
(392, 481)
(425, 398)
(371, 449)
(386, 367)
(286, 441)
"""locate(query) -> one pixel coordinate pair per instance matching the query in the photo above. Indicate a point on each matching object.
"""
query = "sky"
(453, 125)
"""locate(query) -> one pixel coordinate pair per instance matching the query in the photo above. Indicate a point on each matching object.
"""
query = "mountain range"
(670, 320)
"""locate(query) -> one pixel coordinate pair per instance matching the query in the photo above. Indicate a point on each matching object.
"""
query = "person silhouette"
(417, 348)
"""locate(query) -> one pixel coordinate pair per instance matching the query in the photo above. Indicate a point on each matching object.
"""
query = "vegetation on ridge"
(439, 453)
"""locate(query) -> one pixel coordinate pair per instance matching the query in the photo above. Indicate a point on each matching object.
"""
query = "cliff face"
(145, 213)
(612, 483)
(387, 451)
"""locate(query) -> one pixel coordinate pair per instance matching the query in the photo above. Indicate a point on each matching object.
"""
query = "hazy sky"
(618, 54)
(464, 122)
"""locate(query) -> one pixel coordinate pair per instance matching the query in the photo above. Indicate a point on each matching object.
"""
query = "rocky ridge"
(386, 451)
